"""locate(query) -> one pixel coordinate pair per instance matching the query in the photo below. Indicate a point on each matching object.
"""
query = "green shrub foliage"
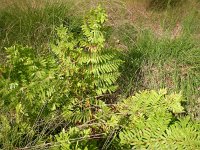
(53, 101)
(148, 120)
(90, 68)
(154, 123)
(68, 80)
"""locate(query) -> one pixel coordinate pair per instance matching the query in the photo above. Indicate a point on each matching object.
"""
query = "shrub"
(154, 123)
(36, 88)
(148, 120)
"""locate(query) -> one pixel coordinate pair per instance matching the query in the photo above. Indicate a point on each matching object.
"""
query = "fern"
(74, 139)
(148, 120)
(102, 63)
(90, 68)
(154, 125)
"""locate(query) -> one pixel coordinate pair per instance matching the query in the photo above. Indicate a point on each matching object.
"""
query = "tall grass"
(31, 23)
(160, 49)
(154, 63)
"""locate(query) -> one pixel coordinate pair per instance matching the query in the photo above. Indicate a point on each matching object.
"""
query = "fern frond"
(152, 124)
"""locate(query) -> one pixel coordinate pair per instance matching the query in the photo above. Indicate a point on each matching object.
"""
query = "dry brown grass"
(163, 23)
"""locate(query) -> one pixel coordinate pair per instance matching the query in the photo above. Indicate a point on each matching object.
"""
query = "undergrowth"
(153, 63)
(75, 85)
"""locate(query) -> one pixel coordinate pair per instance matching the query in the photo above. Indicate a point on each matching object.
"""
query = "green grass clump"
(163, 63)
(163, 52)
(163, 4)
(26, 24)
